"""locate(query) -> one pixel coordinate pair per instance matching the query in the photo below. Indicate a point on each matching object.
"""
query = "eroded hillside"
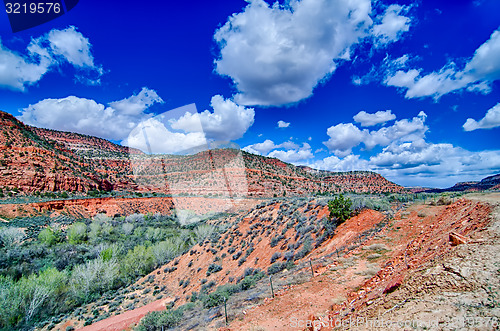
(34, 160)
(395, 263)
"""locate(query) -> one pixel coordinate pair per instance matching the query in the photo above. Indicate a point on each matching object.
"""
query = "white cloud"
(293, 155)
(45, 53)
(287, 151)
(478, 74)
(127, 119)
(152, 136)
(349, 163)
(420, 164)
(434, 165)
(17, 72)
(403, 130)
(367, 119)
(71, 46)
(261, 148)
(277, 54)
(406, 157)
(89, 117)
(489, 121)
(343, 137)
(229, 121)
(137, 104)
(283, 124)
(392, 25)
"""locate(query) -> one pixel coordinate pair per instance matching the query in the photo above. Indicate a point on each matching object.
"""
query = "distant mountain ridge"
(42, 160)
(488, 183)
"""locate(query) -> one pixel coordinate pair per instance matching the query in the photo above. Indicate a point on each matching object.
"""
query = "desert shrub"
(237, 255)
(222, 292)
(371, 202)
(214, 299)
(10, 236)
(157, 320)
(275, 268)
(241, 261)
(306, 248)
(92, 278)
(275, 256)
(443, 200)
(47, 237)
(127, 228)
(276, 240)
(289, 255)
(205, 287)
(77, 233)
(213, 268)
(153, 234)
(135, 218)
(203, 232)
(340, 208)
(250, 280)
(24, 300)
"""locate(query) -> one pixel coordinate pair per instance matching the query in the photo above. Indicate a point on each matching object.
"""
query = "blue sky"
(408, 89)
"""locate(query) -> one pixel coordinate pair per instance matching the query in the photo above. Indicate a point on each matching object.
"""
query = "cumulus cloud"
(127, 119)
(277, 54)
(86, 116)
(476, 76)
(70, 45)
(46, 53)
(343, 137)
(349, 163)
(136, 104)
(489, 121)
(16, 71)
(367, 119)
(153, 136)
(392, 25)
(228, 121)
(403, 130)
(406, 157)
(420, 163)
(287, 151)
(434, 165)
(293, 155)
(283, 124)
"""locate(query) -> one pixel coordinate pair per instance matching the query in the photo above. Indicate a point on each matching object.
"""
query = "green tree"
(47, 236)
(137, 262)
(77, 233)
(340, 208)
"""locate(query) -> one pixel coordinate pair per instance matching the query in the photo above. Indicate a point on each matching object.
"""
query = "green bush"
(77, 233)
(93, 278)
(47, 237)
(213, 268)
(10, 236)
(137, 262)
(157, 319)
(340, 208)
(275, 268)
